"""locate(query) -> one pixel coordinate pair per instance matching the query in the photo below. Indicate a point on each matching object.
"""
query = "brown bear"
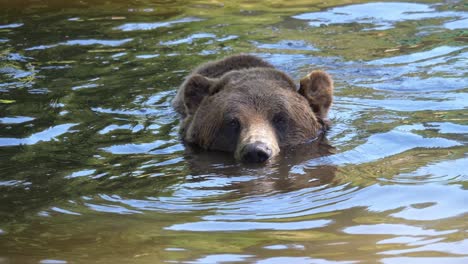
(243, 105)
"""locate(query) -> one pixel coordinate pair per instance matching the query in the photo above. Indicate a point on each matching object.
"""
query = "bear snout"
(257, 152)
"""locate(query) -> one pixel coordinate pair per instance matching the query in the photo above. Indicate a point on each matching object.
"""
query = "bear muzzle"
(257, 152)
(258, 142)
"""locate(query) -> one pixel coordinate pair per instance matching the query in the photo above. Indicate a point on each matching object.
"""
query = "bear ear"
(196, 88)
(317, 88)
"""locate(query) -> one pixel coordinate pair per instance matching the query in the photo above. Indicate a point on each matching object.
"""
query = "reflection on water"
(380, 15)
(150, 26)
(92, 169)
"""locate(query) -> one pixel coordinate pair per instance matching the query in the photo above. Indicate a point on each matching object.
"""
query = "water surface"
(92, 169)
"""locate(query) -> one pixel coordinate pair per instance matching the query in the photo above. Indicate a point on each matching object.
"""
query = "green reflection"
(109, 187)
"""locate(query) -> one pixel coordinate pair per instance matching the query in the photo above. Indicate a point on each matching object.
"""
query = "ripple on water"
(15, 183)
(53, 261)
(214, 226)
(219, 258)
(282, 205)
(49, 134)
(292, 63)
(395, 229)
(457, 24)
(422, 260)
(15, 120)
(14, 25)
(85, 86)
(384, 145)
(382, 16)
(281, 247)
(438, 69)
(136, 112)
(417, 56)
(156, 147)
(114, 209)
(209, 37)
(147, 56)
(81, 173)
(436, 101)
(15, 73)
(439, 172)
(83, 42)
(287, 45)
(416, 239)
(155, 25)
(110, 128)
(403, 201)
(448, 128)
(418, 84)
(456, 248)
(300, 260)
(189, 39)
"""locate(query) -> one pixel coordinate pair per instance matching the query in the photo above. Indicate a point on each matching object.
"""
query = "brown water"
(92, 170)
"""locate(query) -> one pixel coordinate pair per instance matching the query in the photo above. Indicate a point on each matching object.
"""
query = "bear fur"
(243, 105)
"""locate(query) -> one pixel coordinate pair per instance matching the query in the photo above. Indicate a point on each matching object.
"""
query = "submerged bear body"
(243, 105)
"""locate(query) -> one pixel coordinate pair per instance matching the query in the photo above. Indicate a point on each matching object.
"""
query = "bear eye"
(280, 121)
(234, 124)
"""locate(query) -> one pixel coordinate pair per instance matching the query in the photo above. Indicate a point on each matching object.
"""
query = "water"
(92, 170)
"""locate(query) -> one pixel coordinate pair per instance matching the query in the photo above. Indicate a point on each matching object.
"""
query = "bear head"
(254, 112)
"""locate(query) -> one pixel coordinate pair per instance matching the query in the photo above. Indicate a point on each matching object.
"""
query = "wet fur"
(251, 90)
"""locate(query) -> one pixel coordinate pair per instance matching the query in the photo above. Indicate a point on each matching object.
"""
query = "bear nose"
(256, 152)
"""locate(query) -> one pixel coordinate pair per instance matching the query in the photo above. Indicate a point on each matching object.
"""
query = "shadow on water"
(92, 169)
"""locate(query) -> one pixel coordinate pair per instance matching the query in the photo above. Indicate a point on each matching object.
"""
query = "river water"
(92, 169)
